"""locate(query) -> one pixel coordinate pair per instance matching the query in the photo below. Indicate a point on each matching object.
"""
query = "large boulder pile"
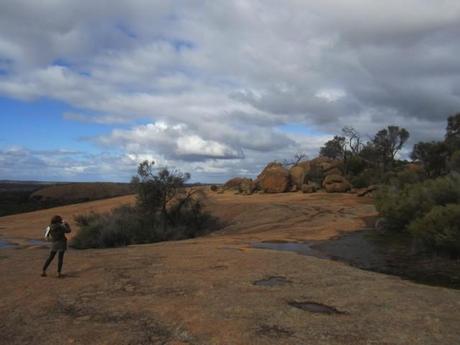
(305, 176)
(336, 184)
(274, 179)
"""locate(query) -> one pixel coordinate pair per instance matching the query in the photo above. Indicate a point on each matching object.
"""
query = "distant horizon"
(217, 89)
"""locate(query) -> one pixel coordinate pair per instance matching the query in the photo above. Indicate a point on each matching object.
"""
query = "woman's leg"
(60, 261)
(48, 261)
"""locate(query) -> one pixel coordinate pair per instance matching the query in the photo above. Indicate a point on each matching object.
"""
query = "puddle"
(272, 281)
(371, 251)
(37, 242)
(299, 248)
(314, 307)
(7, 244)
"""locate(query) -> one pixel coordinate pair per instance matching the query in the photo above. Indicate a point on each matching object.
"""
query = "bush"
(439, 229)
(127, 225)
(401, 206)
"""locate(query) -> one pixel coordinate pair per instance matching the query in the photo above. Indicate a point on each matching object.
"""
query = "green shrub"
(401, 206)
(439, 229)
(404, 177)
(454, 162)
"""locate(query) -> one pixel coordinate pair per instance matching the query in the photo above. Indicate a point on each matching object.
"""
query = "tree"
(156, 191)
(388, 142)
(452, 137)
(298, 157)
(353, 140)
(433, 155)
(334, 148)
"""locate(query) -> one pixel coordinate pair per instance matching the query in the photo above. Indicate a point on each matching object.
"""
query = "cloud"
(214, 81)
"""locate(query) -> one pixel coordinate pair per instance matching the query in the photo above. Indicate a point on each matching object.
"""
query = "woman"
(58, 229)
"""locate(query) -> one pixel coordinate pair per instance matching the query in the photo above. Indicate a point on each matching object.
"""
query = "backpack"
(48, 234)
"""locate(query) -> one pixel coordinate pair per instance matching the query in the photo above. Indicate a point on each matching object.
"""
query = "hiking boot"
(59, 275)
(43, 274)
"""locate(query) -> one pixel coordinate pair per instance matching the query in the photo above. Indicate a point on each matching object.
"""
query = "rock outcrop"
(336, 184)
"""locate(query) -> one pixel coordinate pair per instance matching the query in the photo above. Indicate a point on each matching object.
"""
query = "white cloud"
(222, 76)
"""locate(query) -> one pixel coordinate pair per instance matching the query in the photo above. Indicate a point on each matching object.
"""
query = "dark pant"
(51, 257)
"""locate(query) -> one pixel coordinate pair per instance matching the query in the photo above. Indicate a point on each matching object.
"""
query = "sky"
(218, 88)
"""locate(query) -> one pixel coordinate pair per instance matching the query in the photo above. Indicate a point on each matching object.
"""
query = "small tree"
(156, 191)
(452, 138)
(298, 157)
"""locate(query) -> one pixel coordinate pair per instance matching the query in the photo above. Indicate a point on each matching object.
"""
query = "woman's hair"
(56, 220)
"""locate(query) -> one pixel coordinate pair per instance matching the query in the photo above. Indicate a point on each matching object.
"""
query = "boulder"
(298, 176)
(247, 186)
(233, 183)
(305, 165)
(274, 179)
(336, 184)
(308, 188)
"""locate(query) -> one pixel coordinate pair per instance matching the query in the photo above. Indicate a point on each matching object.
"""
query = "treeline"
(420, 197)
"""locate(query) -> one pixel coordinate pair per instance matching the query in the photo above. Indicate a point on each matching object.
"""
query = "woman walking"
(57, 231)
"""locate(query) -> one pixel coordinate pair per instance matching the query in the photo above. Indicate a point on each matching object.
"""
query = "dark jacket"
(57, 232)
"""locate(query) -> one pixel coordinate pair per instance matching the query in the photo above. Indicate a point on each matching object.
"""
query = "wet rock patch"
(273, 331)
(272, 281)
(316, 308)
